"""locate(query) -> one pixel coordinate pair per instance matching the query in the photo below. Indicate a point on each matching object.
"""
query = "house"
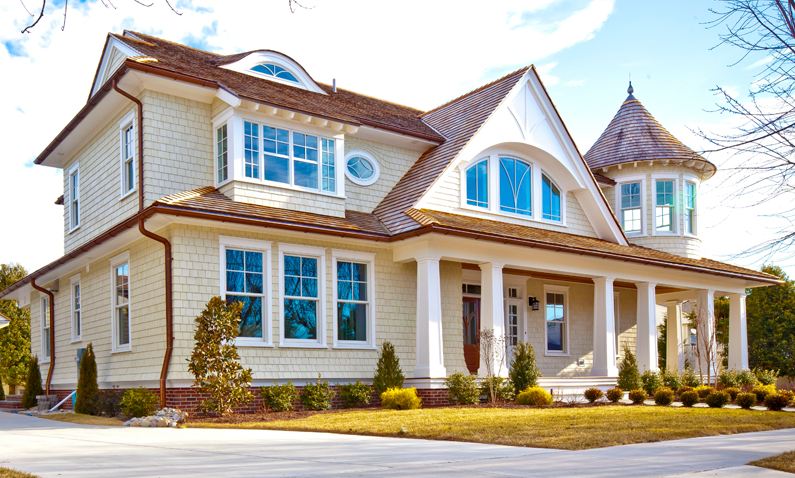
(341, 221)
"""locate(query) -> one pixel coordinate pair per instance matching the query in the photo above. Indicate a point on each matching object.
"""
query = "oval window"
(361, 168)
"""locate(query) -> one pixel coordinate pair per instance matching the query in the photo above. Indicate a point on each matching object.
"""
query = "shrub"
(717, 399)
(766, 377)
(762, 391)
(638, 396)
(503, 388)
(138, 402)
(615, 394)
(703, 391)
(87, 389)
(356, 394)
(733, 392)
(776, 401)
(651, 382)
(689, 378)
(628, 374)
(387, 373)
(689, 398)
(684, 389)
(523, 370)
(32, 384)
(2, 390)
(317, 396)
(664, 396)
(535, 397)
(593, 394)
(109, 402)
(462, 389)
(401, 399)
(746, 379)
(215, 363)
(279, 398)
(671, 379)
(789, 394)
(746, 399)
(727, 378)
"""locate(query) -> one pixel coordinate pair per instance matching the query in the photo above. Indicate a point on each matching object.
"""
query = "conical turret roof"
(635, 135)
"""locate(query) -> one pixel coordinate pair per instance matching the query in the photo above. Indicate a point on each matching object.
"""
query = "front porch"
(578, 311)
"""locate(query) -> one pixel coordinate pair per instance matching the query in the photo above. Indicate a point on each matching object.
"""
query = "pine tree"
(32, 384)
(387, 373)
(524, 373)
(87, 388)
(628, 374)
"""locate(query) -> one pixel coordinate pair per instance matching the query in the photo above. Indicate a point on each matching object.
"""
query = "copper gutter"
(51, 302)
(167, 257)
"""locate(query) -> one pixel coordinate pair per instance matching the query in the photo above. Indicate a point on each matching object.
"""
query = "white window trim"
(320, 254)
(558, 289)
(229, 167)
(75, 281)
(643, 199)
(694, 232)
(44, 306)
(367, 258)
(126, 121)
(617, 321)
(676, 219)
(74, 170)
(117, 261)
(541, 202)
(245, 64)
(267, 272)
(369, 157)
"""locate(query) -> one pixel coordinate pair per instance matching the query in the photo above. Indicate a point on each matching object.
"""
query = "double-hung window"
(516, 177)
(550, 198)
(630, 207)
(664, 205)
(246, 278)
(74, 197)
(120, 299)
(556, 318)
(77, 323)
(477, 184)
(45, 329)
(353, 299)
(302, 271)
(690, 207)
(127, 156)
(222, 154)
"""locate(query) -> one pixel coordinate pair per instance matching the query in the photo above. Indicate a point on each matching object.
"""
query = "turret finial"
(630, 90)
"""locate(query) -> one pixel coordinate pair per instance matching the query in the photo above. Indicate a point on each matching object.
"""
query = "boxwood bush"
(776, 401)
(401, 399)
(763, 391)
(651, 382)
(534, 396)
(317, 396)
(638, 396)
(703, 391)
(138, 402)
(717, 399)
(356, 394)
(615, 394)
(593, 394)
(746, 399)
(664, 396)
(462, 389)
(733, 392)
(279, 398)
(683, 389)
(689, 398)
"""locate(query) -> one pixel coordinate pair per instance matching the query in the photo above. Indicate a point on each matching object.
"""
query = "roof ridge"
(165, 40)
(523, 69)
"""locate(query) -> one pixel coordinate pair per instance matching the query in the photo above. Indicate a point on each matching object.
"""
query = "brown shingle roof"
(458, 120)
(342, 105)
(635, 135)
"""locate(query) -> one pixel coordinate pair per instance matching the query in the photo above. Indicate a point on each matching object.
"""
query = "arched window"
(515, 186)
(550, 198)
(478, 184)
(276, 71)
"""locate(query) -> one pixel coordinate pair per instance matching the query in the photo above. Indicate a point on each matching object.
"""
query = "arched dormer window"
(276, 71)
(516, 177)
(477, 177)
(550, 199)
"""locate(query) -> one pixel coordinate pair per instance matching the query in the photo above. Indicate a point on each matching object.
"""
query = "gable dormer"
(113, 55)
(274, 66)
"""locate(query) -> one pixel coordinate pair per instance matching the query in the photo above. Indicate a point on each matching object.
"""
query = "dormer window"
(477, 177)
(516, 177)
(276, 71)
(550, 197)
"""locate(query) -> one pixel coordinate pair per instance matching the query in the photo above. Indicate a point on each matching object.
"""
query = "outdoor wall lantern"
(533, 303)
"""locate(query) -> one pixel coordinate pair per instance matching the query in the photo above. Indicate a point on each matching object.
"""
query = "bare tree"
(763, 142)
(708, 355)
(492, 348)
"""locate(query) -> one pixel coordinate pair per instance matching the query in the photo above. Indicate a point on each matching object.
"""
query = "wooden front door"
(471, 322)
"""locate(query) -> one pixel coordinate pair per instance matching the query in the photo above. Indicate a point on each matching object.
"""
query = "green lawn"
(9, 473)
(83, 419)
(564, 428)
(783, 462)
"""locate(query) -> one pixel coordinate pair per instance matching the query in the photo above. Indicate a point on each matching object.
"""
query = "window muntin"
(121, 306)
(512, 323)
(555, 316)
(630, 207)
(353, 302)
(690, 207)
(222, 154)
(301, 297)
(77, 323)
(277, 154)
(251, 145)
(477, 184)
(45, 328)
(305, 160)
(664, 205)
(361, 168)
(328, 165)
(244, 283)
(515, 186)
(127, 159)
(74, 197)
(276, 71)
(550, 198)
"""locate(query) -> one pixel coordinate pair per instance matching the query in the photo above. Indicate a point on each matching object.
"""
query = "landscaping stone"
(164, 418)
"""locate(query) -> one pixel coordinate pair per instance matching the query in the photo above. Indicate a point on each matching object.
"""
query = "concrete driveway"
(49, 448)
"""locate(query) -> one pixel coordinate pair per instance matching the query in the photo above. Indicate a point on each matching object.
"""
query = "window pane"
(250, 315)
(515, 190)
(251, 149)
(277, 169)
(221, 150)
(551, 200)
(305, 174)
(123, 325)
(234, 260)
(477, 178)
(555, 336)
(292, 265)
(300, 319)
(352, 322)
(329, 166)
(309, 267)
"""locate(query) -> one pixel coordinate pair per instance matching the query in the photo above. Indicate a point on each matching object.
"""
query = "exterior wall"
(284, 198)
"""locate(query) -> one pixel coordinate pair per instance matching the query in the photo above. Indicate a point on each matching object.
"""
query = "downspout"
(167, 258)
(51, 301)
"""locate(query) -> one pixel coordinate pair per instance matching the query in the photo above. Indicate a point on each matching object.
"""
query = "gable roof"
(635, 135)
(458, 120)
(340, 105)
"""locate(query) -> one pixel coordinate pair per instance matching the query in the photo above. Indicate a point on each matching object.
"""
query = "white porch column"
(430, 358)
(738, 333)
(492, 318)
(673, 339)
(604, 329)
(647, 326)
(705, 333)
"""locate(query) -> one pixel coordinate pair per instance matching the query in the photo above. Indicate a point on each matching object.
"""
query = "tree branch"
(41, 14)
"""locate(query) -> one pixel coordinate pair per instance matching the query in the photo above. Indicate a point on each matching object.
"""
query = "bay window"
(664, 205)
(690, 207)
(222, 154)
(630, 207)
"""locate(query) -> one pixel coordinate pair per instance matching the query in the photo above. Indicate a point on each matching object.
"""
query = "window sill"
(129, 193)
(344, 346)
(298, 345)
(76, 340)
(124, 350)
(253, 344)
(44, 361)
(74, 229)
(556, 354)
